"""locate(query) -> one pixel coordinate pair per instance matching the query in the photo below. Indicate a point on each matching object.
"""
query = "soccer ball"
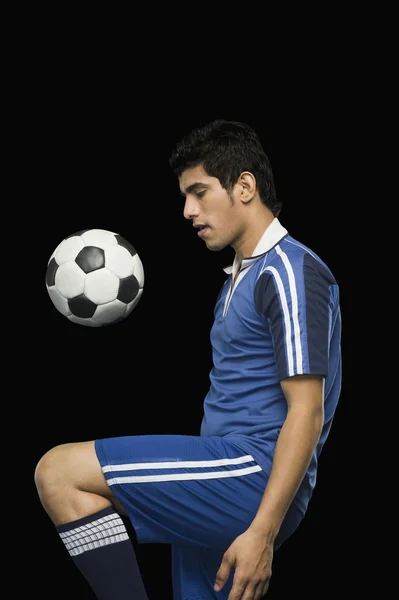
(95, 277)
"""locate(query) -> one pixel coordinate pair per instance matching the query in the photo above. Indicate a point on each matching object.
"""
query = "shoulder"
(292, 256)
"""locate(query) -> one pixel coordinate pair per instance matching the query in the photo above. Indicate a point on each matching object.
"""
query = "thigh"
(183, 490)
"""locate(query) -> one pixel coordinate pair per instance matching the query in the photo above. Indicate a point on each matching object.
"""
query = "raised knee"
(49, 470)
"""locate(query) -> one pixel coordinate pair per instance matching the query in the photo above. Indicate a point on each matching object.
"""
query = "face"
(216, 215)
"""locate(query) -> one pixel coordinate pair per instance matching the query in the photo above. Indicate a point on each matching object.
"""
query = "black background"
(97, 138)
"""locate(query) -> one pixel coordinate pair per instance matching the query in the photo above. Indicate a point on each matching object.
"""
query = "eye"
(200, 194)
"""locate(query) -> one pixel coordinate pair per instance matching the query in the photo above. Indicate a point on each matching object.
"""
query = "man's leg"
(76, 497)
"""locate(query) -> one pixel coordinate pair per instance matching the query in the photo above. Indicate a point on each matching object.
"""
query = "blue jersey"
(276, 316)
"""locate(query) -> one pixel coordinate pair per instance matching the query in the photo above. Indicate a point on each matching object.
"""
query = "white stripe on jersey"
(295, 313)
(287, 320)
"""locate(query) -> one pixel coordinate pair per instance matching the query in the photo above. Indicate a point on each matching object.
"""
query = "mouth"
(202, 229)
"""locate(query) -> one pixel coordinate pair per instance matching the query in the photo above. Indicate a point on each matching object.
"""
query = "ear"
(246, 186)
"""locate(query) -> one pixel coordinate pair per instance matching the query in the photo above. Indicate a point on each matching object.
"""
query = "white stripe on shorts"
(179, 464)
(193, 464)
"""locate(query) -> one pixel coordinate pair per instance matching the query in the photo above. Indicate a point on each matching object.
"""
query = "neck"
(252, 234)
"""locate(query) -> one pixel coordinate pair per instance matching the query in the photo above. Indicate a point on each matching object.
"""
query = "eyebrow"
(193, 187)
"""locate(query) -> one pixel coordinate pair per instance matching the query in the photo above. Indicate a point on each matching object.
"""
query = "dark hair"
(225, 149)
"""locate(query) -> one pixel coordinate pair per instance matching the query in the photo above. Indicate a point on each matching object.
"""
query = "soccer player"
(227, 499)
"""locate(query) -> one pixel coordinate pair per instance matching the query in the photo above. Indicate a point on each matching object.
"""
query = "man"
(227, 499)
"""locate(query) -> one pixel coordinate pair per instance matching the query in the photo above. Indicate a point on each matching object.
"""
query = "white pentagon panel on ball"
(60, 303)
(68, 249)
(110, 312)
(70, 280)
(133, 303)
(101, 238)
(119, 260)
(101, 286)
(138, 270)
(88, 322)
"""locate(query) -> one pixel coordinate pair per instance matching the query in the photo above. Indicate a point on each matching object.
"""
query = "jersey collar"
(272, 235)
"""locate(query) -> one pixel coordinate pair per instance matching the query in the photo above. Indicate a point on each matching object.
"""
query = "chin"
(215, 247)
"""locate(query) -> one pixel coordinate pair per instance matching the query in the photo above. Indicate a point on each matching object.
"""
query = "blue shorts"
(197, 494)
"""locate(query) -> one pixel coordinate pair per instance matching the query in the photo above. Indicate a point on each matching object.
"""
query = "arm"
(252, 552)
(296, 443)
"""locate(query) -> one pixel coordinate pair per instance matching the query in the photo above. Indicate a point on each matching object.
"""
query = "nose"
(190, 208)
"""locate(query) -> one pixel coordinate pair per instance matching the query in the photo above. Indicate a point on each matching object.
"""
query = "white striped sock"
(108, 529)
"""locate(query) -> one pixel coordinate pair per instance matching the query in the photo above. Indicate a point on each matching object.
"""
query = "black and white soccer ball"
(95, 277)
